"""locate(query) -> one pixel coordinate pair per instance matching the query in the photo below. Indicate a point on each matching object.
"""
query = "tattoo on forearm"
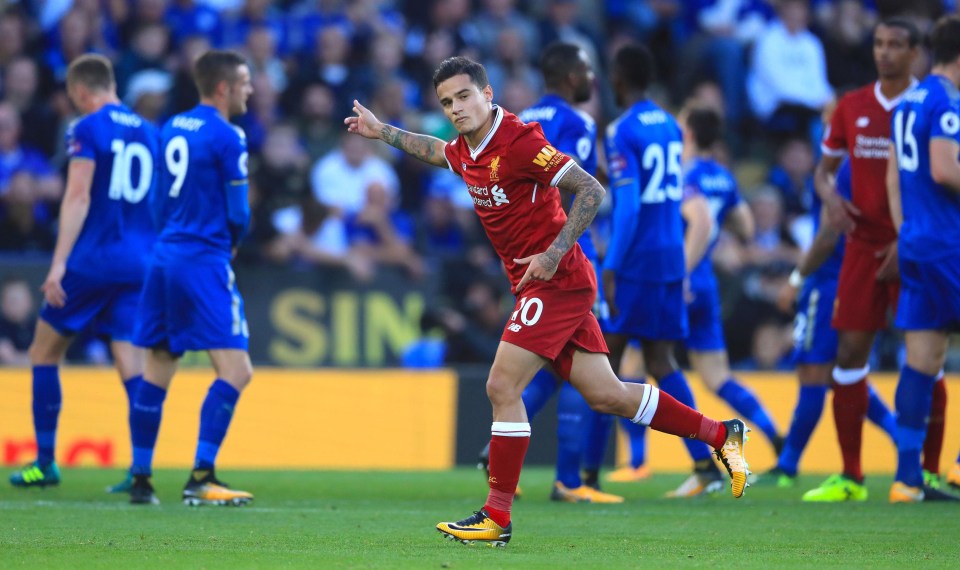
(424, 147)
(588, 196)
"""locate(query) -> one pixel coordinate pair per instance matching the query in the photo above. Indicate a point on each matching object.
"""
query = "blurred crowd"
(322, 199)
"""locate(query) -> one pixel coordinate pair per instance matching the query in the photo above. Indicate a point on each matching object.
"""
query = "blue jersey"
(931, 213)
(573, 133)
(715, 183)
(643, 148)
(118, 232)
(830, 268)
(201, 205)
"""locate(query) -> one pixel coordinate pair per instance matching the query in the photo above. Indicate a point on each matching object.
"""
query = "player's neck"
(99, 101)
(221, 107)
(568, 97)
(951, 72)
(476, 137)
(892, 87)
(631, 98)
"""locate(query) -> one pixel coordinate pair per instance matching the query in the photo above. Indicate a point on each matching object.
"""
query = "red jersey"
(512, 177)
(860, 128)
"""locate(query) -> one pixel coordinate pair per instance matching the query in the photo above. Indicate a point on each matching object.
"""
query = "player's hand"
(840, 213)
(890, 266)
(609, 285)
(365, 123)
(53, 291)
(786, 298)
(539, 267)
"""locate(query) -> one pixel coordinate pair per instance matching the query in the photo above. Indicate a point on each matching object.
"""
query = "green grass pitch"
(305, 519)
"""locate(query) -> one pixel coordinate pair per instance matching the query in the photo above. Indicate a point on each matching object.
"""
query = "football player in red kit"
(513, 174)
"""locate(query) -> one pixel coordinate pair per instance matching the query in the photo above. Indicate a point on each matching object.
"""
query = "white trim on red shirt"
(493, 130)
(889, 104)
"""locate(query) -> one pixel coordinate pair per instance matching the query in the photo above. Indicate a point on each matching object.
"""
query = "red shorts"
(554, 318)
(863, 303)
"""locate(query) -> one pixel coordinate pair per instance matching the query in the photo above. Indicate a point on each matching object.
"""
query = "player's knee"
(42, 355)
(502, 390)
(606, 401)
(239, 376)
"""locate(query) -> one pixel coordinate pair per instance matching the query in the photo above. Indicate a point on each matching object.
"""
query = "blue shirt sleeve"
(945, 119)
(80, 140)
(625, 187)
(234, 164)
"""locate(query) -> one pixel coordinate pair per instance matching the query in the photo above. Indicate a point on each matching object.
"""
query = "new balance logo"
(863, 122)
(499, 196)
(514, 327)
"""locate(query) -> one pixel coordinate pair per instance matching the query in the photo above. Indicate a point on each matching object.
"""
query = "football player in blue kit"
(98, 263)
(190, 299)
(644, 268)
(581, 433)
(923, 179)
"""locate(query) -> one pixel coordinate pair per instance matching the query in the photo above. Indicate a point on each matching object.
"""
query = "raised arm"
(424, 147)
(588, 194)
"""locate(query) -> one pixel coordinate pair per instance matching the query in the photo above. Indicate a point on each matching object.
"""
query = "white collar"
(474, 153)
(889, 104)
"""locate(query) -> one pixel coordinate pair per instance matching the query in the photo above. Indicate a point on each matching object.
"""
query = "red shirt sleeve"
(451, 153)
(835, 139)
(537, 159)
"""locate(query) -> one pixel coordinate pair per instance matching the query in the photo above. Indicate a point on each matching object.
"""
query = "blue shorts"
(929, 295)
(600, 308)
(108, 306)
(815, 340)
(706, 328)
(650, 310)
(191, 307)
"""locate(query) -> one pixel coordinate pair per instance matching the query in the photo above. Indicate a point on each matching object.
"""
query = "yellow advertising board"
(316, 419)
(778, 391)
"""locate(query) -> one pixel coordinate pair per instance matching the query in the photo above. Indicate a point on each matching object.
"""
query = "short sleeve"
(538, 159)
(80, 140)
(234, 157)
(450, 152)
(835, 139)
(691, 187)
(622, 165)
(945, 120)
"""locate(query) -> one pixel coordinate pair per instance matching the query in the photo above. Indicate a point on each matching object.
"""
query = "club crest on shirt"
(495, 169)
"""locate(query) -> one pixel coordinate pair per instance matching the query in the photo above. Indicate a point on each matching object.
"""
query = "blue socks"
(538, 392)
(676, 385)
(131, 385)
(747, 405)
(145, 414)
(47, 399)
(573, 413)
(595, 446)
(805, 418)
(913, 400)
(215, 416)
(880, 414)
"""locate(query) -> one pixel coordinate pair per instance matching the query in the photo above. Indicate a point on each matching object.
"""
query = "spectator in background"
(497, 15)
(319, 130)
(330, 64)
(562, 23)
(773, 247)
(383, 233)
(188, 18)
(254, 14)
(261, 52)
(449, 21)
(17, 320)
(21, 81)
(511, 62)
(263, 112)
(71, 39)
(848, 43)
(12, 37)
(787, 83)
(308, 18)
(45, 186)
(341, 179)
(148, 94)
(792, 175)
(20, 229)
(138, 15)
(148, 50)
(184, 94)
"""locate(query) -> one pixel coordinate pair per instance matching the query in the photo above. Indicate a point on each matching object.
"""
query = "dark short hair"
(945, 39)
(453, 66)
(213, 67)
(91, 70)
(558, 60)
(634, 64)
(705, 125)
(913, 32)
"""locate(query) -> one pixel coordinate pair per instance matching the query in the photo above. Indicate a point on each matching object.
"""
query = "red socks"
(850, 402)
(670, 416)
(934, 442)
(508, 446)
